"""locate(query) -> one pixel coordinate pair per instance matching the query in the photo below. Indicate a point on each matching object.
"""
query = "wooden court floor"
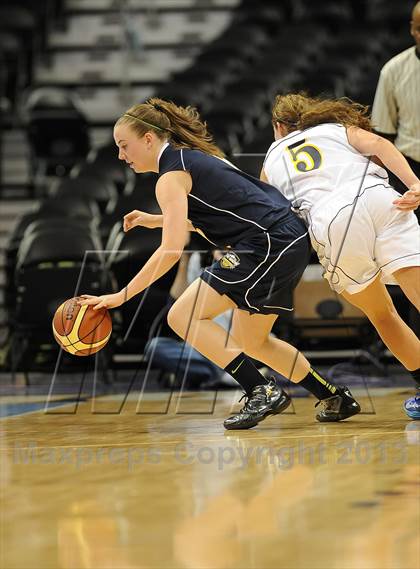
(157, 483)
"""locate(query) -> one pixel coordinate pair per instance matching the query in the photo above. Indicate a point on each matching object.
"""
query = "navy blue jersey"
(225, 204)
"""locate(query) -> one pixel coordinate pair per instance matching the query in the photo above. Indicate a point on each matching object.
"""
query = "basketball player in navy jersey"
(328, 164)
(267, 249)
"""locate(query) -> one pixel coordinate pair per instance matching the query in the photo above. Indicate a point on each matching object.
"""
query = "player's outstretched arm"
(171, 192)
(370, 144)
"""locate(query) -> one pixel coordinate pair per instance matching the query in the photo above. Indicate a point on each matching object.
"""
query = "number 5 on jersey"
(305, 157)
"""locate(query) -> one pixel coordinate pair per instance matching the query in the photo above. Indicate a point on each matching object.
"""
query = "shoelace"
(250, 399)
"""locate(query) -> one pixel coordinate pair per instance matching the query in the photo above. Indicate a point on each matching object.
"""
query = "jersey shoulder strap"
(172, 160)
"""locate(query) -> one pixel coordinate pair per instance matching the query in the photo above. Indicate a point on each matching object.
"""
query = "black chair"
(314, 31)
(22, 22)
(57, 131)
(77, 225)
(249, 162)
(345, 63)
(231, 118)
(234, 42)
(207, 80)
(226, 130)
(104, 160)
(50, 224)
(363, 91)
(143, 185)
(255, 90)
(45, 13)
(185, 91)
(269, 16)
(52, 266)
(329, 12)
(396, 15)
(259, 143)
(70, 210)
(320, 83)
(65, 207)
(141, 196)
(361, 41)
(277, 75)
(12, 68)
(88, 186)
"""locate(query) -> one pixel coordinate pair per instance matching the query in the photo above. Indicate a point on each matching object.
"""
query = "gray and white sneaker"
(265, 400)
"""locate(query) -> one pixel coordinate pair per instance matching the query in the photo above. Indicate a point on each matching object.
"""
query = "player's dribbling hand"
(139, 218)
(103, 301)
(410, 200)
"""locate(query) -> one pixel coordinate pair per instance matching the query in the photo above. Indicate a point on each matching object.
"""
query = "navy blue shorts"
(260, 273)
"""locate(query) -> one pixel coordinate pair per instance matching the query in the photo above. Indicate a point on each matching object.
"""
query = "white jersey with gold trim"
(310, 165)
(346, 200)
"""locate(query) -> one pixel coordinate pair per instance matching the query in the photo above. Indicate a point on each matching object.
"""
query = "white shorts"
(356, 239)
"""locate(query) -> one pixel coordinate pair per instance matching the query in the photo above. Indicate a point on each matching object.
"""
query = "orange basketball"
(80, 330)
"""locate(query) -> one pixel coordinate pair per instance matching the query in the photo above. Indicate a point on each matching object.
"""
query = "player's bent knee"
(180, 320)
(176, 320)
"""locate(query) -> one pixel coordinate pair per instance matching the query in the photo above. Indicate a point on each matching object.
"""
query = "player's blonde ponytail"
(181, 125)
(298, 111)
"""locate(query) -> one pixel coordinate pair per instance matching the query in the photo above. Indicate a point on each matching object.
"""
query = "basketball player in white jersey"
(327, 162)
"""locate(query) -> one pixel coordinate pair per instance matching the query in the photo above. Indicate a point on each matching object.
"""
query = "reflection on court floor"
(160, 484)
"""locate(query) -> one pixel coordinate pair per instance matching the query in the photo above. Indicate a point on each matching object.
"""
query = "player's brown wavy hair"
(298, 111)
(182, 125)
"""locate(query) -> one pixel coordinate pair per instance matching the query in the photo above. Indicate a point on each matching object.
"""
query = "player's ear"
(282, 129)
(278, 131)
(148, 137)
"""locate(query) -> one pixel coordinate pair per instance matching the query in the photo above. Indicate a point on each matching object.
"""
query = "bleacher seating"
(53, 264)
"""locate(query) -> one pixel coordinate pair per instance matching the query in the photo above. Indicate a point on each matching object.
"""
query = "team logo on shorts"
(230, 260)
